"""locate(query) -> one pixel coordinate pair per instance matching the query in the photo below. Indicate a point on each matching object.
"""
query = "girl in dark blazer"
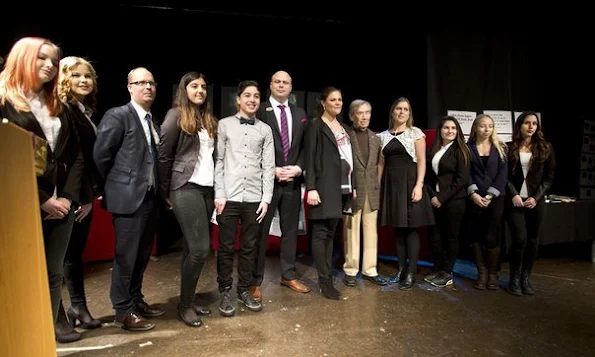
(447, 176)
(531, 166)
(487, 182)
(77, 89)
(186, 179)
(28, 98)
(329, 182)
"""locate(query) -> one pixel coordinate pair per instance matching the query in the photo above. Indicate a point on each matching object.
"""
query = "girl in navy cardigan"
(487, 182)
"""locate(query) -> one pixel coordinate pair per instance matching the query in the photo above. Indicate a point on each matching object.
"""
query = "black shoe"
(442, 279)
(189, 316)
(78, 315)
(143, 309)
(526, 285)
(378, 280)
(349, 280)
(248, 301)
(226, 308)
(327, 289)
(408, 282)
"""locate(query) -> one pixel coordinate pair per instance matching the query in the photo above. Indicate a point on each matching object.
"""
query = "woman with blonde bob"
(77, 89)
(29, 99)
(487, 182)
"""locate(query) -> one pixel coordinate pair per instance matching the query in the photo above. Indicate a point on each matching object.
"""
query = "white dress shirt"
(436, 160)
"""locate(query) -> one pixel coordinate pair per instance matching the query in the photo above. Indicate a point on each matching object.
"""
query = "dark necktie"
(152, 149)
(247, 121)
(284, 132)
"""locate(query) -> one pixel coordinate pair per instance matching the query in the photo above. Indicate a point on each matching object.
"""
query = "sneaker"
(442, 279)
(248, 301)
(428, 278)
(226, 308)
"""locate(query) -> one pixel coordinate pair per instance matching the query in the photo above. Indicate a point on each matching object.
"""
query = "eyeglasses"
(144, 83)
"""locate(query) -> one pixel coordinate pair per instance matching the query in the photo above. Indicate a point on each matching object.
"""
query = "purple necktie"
(284, 132)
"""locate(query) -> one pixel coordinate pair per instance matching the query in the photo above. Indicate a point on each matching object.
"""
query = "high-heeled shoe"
(78, 315)
(63, 331)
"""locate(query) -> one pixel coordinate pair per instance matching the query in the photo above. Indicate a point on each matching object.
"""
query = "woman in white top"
(186, 181)
(447, 176)
(531, 174)
(29, 99)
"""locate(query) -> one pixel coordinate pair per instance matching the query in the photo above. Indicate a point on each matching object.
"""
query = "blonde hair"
(67, 64)
(19, 76)
(499, 145)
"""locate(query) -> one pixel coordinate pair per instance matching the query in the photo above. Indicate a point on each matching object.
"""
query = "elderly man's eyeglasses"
(144, 83)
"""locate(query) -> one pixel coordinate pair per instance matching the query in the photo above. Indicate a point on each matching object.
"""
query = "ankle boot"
(63, 331)
(79, 315)
(492, 262)
(482, 271)
(407, 283)
(327, 289)
(514, 284)
(526, 285)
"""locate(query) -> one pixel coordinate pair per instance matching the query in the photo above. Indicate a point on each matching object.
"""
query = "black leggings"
(407, 247)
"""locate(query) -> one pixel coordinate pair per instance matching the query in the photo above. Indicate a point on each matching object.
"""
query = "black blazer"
(491, 178)
(452, 178)
(539, 178)
(323, 170)
(64, 164)
(121, 154)
(298, 130)
(178, 153)
(86, 136)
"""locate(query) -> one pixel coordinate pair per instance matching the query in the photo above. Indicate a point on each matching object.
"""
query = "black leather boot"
(526, 285)
(482, 271)
(407, 283)
(514, 284)
(327, 289)
(79, 315)
(63, 330)
(493, 258)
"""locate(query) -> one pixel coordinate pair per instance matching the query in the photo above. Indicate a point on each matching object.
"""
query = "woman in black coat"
(329, 182)
(531, 166)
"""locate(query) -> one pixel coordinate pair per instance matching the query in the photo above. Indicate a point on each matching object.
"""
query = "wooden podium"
(24, 290)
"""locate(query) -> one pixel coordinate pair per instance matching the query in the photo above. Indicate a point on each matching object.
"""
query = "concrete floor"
(369, 321)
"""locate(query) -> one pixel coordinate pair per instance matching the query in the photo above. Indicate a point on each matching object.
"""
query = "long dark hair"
(193, 118)
(458, 143)
(540, 148)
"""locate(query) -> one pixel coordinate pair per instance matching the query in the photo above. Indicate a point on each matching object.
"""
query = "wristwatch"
(489, 196)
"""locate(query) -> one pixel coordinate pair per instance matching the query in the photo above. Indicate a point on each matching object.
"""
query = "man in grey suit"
(366, 148)
(125, 154)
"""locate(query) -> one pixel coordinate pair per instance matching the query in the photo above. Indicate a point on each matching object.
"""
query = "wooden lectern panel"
(24, 291)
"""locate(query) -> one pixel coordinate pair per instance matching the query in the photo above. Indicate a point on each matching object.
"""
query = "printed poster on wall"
(517, 114)
(502, 123)
(465, 119)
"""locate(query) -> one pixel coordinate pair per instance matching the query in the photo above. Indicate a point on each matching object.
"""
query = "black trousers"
(287, 199)
(193, 206)
(323, 234)
(73, 263)
(444, 236)
(245, 214)
(485, 223)
(56, 234)
(525, 227)
(135, 234)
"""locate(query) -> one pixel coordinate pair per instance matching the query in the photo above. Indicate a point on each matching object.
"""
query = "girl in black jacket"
(531, 174)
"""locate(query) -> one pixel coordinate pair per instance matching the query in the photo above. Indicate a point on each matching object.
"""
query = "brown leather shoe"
(143, 309)
(255, 292)
(133, 322)
(295, 285)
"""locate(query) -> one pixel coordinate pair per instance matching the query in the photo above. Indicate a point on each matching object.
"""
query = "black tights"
(408, 247)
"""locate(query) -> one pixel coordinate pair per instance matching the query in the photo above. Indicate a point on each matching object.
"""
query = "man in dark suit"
(366, 148)
(125, 154)
(288, 123)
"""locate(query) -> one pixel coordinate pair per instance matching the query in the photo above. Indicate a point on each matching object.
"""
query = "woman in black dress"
(405, 203)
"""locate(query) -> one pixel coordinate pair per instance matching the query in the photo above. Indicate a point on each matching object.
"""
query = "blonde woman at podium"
(28, 98)
(77, 88)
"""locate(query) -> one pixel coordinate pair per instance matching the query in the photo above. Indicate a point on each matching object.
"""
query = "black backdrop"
(366, 53)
